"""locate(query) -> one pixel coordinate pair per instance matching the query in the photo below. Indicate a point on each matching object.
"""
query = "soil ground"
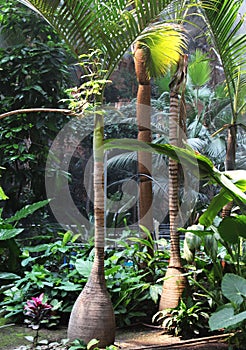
(12, 337)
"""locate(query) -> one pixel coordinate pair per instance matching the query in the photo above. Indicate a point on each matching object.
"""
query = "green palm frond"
(225, 23)
(164, 44)
(199, 69)
(122, 161)
(111, 26)
(216, 149)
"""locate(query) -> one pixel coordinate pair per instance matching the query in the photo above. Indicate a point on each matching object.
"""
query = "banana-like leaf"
(198, 164)
(238, 180)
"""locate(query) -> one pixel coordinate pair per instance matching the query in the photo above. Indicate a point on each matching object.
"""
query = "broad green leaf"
(9, 233)
(197, 164)
(234, 288)
(225, 318)
(224, 196)
(69, 287)
(8, 276)
(211, 246)
(218, 202)
(92, 343)
(235, 188)
(3, 195)
(56, 304)
(233, 227)
(84, 267)
(67, 237)
(193, 240)
(155, 292)
(27, 210)
(38, 248)
(199, 233)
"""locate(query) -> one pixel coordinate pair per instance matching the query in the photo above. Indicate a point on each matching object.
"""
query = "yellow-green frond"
(164, 44)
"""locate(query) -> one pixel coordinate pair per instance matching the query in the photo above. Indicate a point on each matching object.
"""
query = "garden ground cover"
(130, 338)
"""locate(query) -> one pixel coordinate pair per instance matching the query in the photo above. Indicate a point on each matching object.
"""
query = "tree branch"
(36, 110)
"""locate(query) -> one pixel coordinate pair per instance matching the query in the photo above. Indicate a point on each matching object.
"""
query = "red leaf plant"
(37, 311)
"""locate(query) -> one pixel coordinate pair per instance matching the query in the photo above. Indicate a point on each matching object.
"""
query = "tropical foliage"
(132, 275)
(34, 74)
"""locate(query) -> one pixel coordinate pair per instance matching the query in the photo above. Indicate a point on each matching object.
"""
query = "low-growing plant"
(60, 270)
(232, 315)
(189, 318)
(47, 268)
(78, 344)
(37, 312)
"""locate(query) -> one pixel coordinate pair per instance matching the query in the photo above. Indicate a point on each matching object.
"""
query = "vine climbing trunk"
(143, 114)
(92, 316)
(175, 281)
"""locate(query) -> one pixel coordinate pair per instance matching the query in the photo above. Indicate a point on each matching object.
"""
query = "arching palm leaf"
(111, 26)
(224, 23)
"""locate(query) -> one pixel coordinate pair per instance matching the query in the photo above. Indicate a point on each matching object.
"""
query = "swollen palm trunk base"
(92, 315)
(173, 288)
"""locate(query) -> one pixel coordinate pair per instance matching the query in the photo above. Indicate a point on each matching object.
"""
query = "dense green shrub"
(34, 73)
(60, 270)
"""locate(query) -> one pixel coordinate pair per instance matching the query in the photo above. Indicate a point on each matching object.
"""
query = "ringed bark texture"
(175, 284)
(92, 315)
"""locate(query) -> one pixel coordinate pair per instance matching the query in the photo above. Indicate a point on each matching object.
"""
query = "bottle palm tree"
(154, 53)
(87, 25)
(175, 282)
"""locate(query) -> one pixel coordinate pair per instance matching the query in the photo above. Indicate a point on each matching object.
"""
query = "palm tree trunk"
(230, 161)
(175, 283)
(143, 112)
(92, 315)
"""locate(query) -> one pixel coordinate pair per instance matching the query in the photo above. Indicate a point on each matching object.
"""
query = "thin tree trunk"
(92, 315)
(230, 161)
(144, 134)
(175, 282)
